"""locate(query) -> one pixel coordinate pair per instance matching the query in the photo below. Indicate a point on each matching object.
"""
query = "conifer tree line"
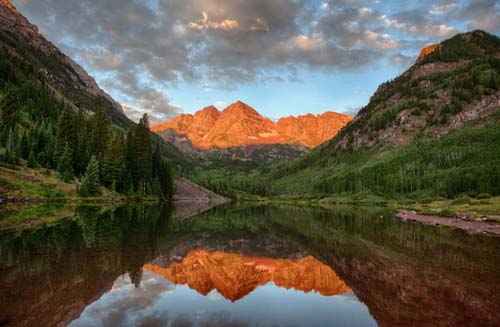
(39, 131)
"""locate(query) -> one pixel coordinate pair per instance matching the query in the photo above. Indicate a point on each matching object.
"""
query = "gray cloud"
(138, 49)
(481, 14)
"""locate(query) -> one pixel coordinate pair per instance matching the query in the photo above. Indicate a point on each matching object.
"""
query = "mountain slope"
(432, 131)
(21, 42)
(29, 55)
(241, 125)
(451, 84)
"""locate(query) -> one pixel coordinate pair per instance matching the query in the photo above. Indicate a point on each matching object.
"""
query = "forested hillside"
(40, 131)
(54, 115)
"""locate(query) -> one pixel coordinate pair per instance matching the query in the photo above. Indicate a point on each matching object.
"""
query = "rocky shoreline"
(463, 223)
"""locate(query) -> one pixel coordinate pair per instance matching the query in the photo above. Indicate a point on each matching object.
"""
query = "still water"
(246, 266)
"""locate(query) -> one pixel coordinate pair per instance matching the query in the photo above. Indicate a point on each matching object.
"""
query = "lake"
(246, 266)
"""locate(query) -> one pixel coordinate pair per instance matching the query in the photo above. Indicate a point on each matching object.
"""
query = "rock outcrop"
(426, 51)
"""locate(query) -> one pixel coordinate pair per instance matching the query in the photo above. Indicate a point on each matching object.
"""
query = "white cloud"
(205, 23)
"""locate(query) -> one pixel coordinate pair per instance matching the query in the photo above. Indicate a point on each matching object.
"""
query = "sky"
(283, 57)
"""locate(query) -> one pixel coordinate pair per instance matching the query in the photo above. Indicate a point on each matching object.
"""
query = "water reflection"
(235, 276)
(158, 302)
(247, 266)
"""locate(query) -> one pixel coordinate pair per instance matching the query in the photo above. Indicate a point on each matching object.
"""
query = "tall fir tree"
(65, 165)
(144, 154)
(101, 130)
(82, 147)
(166, 180)
(24, 146)
(90, 181)
(66, 132)
(32, 160)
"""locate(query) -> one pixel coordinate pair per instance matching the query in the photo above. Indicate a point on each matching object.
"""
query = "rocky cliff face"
(426, 51)
(234, 276)
(21, 42)
(312, 130)
(241, 125)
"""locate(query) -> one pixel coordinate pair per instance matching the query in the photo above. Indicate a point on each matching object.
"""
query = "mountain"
(21, 42)
(451, 84)
(433, 131)
(241, 125)
(235, 276)
(53, 115)
(27, 54)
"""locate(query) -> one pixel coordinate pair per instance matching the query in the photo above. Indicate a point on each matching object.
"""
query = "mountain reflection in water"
(227, 289)
(234, 276)
(246, 266)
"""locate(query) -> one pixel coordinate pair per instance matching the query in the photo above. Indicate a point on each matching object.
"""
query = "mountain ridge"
(241, 125)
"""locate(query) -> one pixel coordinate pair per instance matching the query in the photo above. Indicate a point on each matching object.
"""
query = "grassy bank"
(21, 184)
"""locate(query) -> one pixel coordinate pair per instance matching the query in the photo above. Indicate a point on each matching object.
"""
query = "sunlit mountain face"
(241, 125)
(282, 57)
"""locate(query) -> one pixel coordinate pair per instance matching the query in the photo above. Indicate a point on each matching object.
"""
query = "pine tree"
(143, 154)
(11, 155)
(82, 147)
(101, 129)
(24, 147)
(130, 173)
(32, 162)
(156, 164)
(166, 180)
(65, 164)
(110, 167)
(66, 132)
(90, 181)
(8, 110)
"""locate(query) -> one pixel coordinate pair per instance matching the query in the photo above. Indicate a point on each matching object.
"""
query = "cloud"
(204, 23)
(125, 304)
(481, 14)
(138, 50)
(418, 23)
(443, 8)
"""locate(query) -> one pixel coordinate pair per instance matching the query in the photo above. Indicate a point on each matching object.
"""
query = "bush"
(482, 196)
(462, 200)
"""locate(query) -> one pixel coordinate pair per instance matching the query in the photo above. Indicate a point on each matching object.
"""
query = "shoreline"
(484, 227)
(467, 219)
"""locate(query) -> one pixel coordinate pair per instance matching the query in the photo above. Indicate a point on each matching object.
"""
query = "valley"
(249, 163)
